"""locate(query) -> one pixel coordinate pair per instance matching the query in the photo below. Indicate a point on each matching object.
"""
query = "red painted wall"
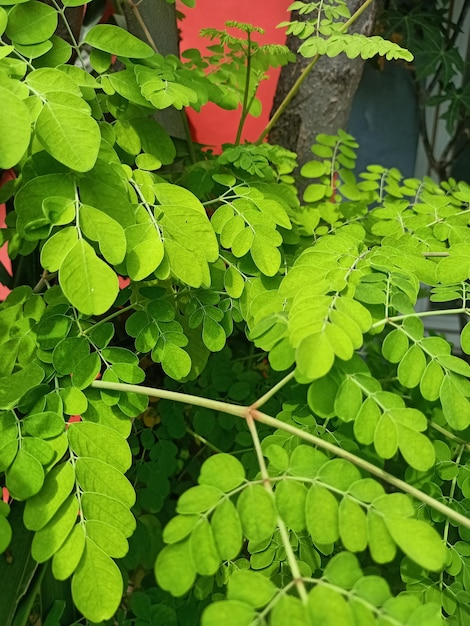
(214, 126)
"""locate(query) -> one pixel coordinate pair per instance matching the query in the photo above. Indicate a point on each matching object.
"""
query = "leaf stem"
(243, 411)
(296, 86)
(399, 318)
(134, 7)
(269, 394)
(175, 396)
(365, 465)
(294, 566)
(245, 107)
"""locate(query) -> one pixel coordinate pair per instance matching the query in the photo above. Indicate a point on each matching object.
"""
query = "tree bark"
(323, 102)
(161, 33)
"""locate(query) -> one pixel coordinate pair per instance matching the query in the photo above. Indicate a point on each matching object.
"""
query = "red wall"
(212, 125)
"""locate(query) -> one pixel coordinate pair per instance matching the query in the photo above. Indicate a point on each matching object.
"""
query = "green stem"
(243, 412)
(400, 318)
(175, 396)
(449, 434)
(245, 107)
(117, 313)
(269, 394)
(296, 86)
(365, 465)
(294, 566)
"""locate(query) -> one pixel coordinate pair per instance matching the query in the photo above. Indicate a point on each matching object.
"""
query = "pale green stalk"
(244, 412)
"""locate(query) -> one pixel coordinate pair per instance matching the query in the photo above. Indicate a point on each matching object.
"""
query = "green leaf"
(40, 509)
(154, 139)
(431, 381)
(50, 537)
(343, 570)
(203, 548)
(290, 502)
(418, 540)
(109, 234)
(144, 250)
(115, 40)
(373, 589)
(97, 506)
(329, 608)
(213, 334)
(227, 530)
(289, 610)
(100, 442)
(25, 476)
(366, 421)
(266, 256)
(15, 128)
(251, 588)
(315, 356)
(5, 533)
(464, 336)
(381, 545)
(352, 525)
(417, 449)
(89, 284)
(95, 475)
(411, 367)
(229, 613)
(223, 471)
(233, 282)
(97, 585)
(179, 527)
(455, 405)
(306, 461)
(321, 513)
(44, 425)
(395, 346)
(175, 361)
(31, 22)
(257, 513)
(348, 400)
(386, 437)
(174, 569)
(107, 537)
(68, 133)
(68, 556)
(198, 499)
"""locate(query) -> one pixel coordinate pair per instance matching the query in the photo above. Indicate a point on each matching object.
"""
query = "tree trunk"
(161, 33)
(323, 102)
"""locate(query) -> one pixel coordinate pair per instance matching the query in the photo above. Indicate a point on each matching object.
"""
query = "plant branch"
(134, 7)
(175, 396)
(294, 566)
(296, 86)
(399, 318)
(269, 394)
(240, 411)
(245, 107)
(365, 465)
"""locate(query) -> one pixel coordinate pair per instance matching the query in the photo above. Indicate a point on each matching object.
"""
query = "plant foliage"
(350, 507)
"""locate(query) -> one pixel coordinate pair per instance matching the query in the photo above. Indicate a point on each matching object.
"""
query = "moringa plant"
(214, 383)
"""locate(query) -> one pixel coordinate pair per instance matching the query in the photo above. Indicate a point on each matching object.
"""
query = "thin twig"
(294, 566)
(269, 394)
(134, 7)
